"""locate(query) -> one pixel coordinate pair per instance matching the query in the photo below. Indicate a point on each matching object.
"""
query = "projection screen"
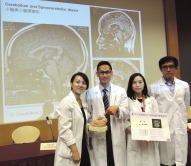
(43, 43)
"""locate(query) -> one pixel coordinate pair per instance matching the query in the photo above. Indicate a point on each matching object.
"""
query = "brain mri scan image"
(39, 62)
(156, 123)
(116, 34)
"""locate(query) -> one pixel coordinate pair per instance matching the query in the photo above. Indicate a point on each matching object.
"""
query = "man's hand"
(112, 110)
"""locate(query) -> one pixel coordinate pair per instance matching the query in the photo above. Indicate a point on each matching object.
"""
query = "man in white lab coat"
(173, 98)
(109, 148)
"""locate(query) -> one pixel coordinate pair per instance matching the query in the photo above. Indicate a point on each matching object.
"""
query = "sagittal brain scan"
(156, 123)
(116, 32)
(39, 62)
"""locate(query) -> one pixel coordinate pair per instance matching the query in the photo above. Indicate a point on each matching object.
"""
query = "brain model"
(99, 122)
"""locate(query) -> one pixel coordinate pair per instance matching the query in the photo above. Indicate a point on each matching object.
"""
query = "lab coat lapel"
(75, 103)
(84, 105)
(177, 84)
(165, 88)
(98, 94)
(112, 95)
(138, 105)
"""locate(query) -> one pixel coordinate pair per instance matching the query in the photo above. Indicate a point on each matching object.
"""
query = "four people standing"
(109, 100)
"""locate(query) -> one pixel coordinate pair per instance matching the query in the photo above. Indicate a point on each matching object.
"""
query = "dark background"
(183, 15)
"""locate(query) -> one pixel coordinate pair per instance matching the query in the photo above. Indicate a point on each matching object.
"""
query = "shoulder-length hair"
(130, 92)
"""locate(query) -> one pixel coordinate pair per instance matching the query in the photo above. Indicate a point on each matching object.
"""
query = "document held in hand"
(149, 126)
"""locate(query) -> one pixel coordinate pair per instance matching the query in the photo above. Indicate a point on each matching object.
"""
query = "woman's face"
(138, 85)
(78, 85)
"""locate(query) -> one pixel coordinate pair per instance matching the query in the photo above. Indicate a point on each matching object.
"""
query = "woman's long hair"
(130, 92)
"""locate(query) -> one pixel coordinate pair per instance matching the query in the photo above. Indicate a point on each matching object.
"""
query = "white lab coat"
(141, 153)
(70, 127)
(176, 106)
(98, 155)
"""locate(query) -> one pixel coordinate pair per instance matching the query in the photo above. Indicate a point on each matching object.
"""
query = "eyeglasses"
(165, 67)
(104, 72)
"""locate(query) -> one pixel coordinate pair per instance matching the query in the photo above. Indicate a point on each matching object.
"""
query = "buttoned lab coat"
(140, 153)
(176, 106)
(70, 127)
(98, 155)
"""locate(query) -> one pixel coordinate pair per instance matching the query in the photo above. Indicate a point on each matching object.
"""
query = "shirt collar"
(108, 87)
(167, 82)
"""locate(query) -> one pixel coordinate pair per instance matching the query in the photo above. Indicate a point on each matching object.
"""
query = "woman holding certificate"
(140, 152)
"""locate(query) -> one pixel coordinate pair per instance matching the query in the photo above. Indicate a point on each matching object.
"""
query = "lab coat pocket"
(64, 151)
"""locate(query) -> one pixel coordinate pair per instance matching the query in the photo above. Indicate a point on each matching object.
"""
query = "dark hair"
(168, 59)
(130, 92)
(84, 76)
(103, 63)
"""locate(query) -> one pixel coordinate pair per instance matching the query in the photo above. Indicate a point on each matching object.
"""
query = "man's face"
(104, 74)
(168, 70)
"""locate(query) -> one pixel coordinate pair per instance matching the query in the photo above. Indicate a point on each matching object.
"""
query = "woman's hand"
(129, 129)
(150, 141)
(75, 155)
(145, 140)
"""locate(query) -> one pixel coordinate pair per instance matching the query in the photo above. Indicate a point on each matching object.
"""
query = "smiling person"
(109, 148)
(173, 97)
(141, 153)
(71, 149)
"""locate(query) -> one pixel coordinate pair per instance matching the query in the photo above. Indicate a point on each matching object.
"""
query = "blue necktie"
(106, 105)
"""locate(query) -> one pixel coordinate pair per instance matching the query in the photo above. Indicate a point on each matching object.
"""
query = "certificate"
(149, 126)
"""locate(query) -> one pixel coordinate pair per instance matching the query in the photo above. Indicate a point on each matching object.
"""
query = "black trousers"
(110, 159)
(166, 165)
(85, 159)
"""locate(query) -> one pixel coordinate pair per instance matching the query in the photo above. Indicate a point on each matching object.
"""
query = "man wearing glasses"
(173, 97)
(109, 100)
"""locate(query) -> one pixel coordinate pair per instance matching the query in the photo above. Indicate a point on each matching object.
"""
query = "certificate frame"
(150, 126)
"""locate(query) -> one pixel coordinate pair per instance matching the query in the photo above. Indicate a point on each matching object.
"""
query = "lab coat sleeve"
(127, 123)
(89, 107)
(154, 105)
(89, 110)
(187, 97)
(65, 118)
(127, 120)
(123, 110)
(150, 91)
(89, 117)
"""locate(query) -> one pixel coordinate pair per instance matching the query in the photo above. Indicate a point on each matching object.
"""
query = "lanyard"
(143, 104)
